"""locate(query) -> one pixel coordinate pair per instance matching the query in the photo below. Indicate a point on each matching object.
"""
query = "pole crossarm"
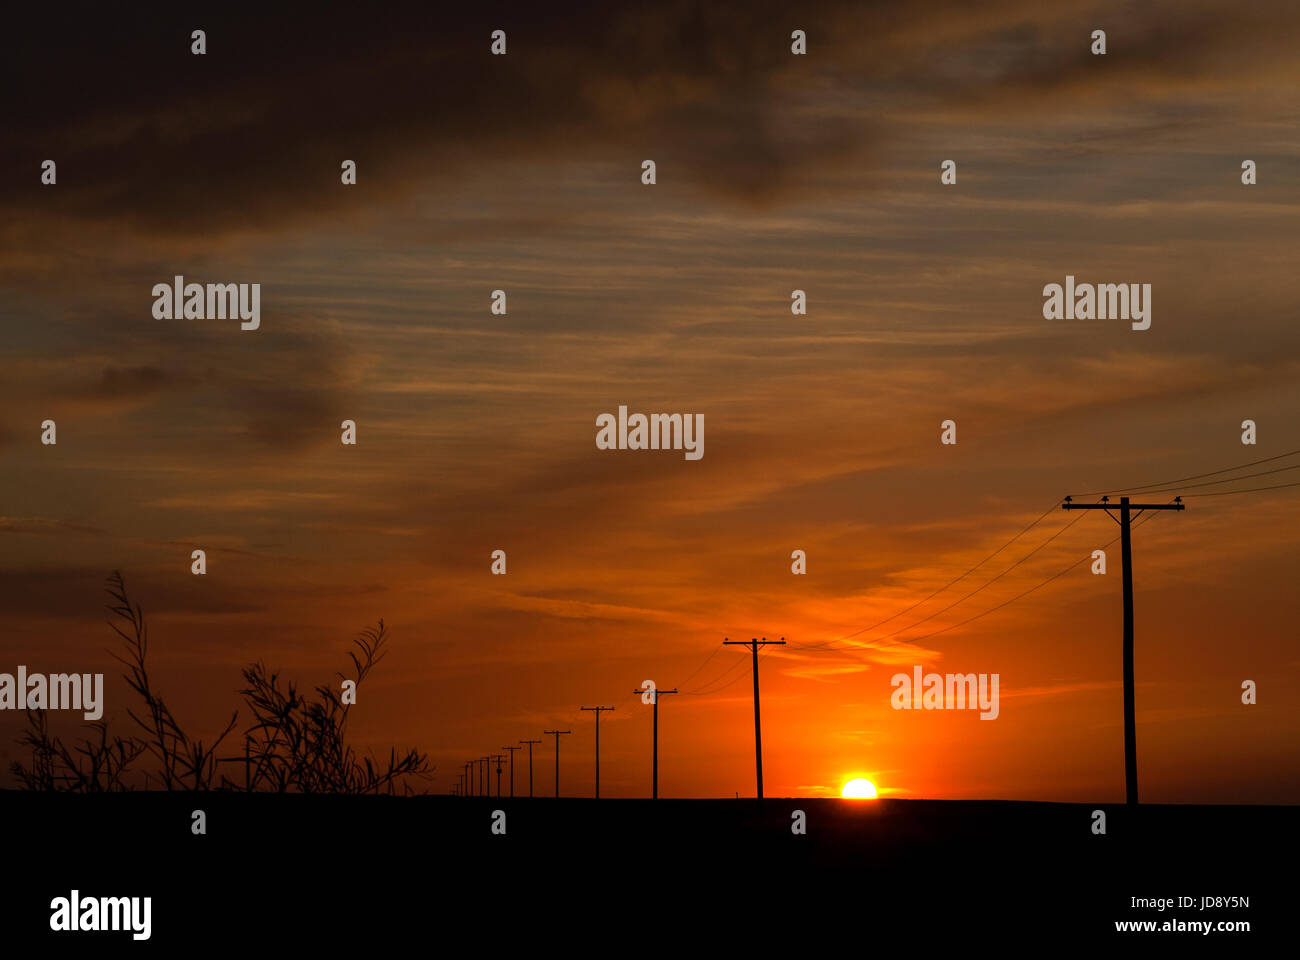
(1176, 505)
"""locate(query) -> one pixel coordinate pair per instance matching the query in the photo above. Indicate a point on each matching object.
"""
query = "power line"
(1147, 487)
(881, 623)
(1038, 586)
(701, 666)
(730, 683)
(868, 644)
(1055, 576)
(1198, 476)
(1224, 493)
(1212, 483)
(986, 584)
(703, 688)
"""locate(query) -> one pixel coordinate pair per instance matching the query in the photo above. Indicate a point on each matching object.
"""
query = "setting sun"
(859, 789)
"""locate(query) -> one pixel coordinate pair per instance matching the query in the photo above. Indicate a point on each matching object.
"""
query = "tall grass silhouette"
(296, 743)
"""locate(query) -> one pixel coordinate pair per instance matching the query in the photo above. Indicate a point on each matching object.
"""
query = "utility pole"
(530, 763)
(486, 777)
(557, 758)
(598, 711)
(498, 757)
(758, 729)
(469, 779)
(1126, 558)
(654, 763)
(512, 768)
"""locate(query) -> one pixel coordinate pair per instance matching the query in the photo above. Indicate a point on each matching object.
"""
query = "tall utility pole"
(654, 763)
(498, 757)
(557, 757)
(758, 728)
(1126, 558)
(530, 763)
(598, 711)
(512, 768)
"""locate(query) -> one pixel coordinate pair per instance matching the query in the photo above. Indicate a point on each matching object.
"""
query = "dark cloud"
(251, 135)
(132, 382)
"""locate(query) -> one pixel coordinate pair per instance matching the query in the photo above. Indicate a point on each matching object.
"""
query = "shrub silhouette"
(296, 743)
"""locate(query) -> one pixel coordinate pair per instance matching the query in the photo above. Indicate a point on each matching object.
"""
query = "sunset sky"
(476, 432)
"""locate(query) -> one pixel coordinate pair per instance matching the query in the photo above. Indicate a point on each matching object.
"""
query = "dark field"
(635, 875)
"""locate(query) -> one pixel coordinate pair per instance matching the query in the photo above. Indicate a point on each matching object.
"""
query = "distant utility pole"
(498, 757)
(512, 768)
(557, 757)
(530, 763)
(598, 711)
(486, 777)
(1126, 559)
(654, 763)
(469, 779)
(758, 729)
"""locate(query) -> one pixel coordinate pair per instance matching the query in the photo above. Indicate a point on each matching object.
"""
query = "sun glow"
(859, 789)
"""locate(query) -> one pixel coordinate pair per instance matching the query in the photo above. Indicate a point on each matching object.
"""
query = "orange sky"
(476, 432)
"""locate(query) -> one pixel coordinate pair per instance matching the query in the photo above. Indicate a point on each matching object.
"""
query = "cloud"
(249, 138)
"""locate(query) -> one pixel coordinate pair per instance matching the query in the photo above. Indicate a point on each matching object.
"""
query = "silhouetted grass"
(95, 765)
(296, 744)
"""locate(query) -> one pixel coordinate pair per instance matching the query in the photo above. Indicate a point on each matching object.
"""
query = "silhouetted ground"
(573, 875)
